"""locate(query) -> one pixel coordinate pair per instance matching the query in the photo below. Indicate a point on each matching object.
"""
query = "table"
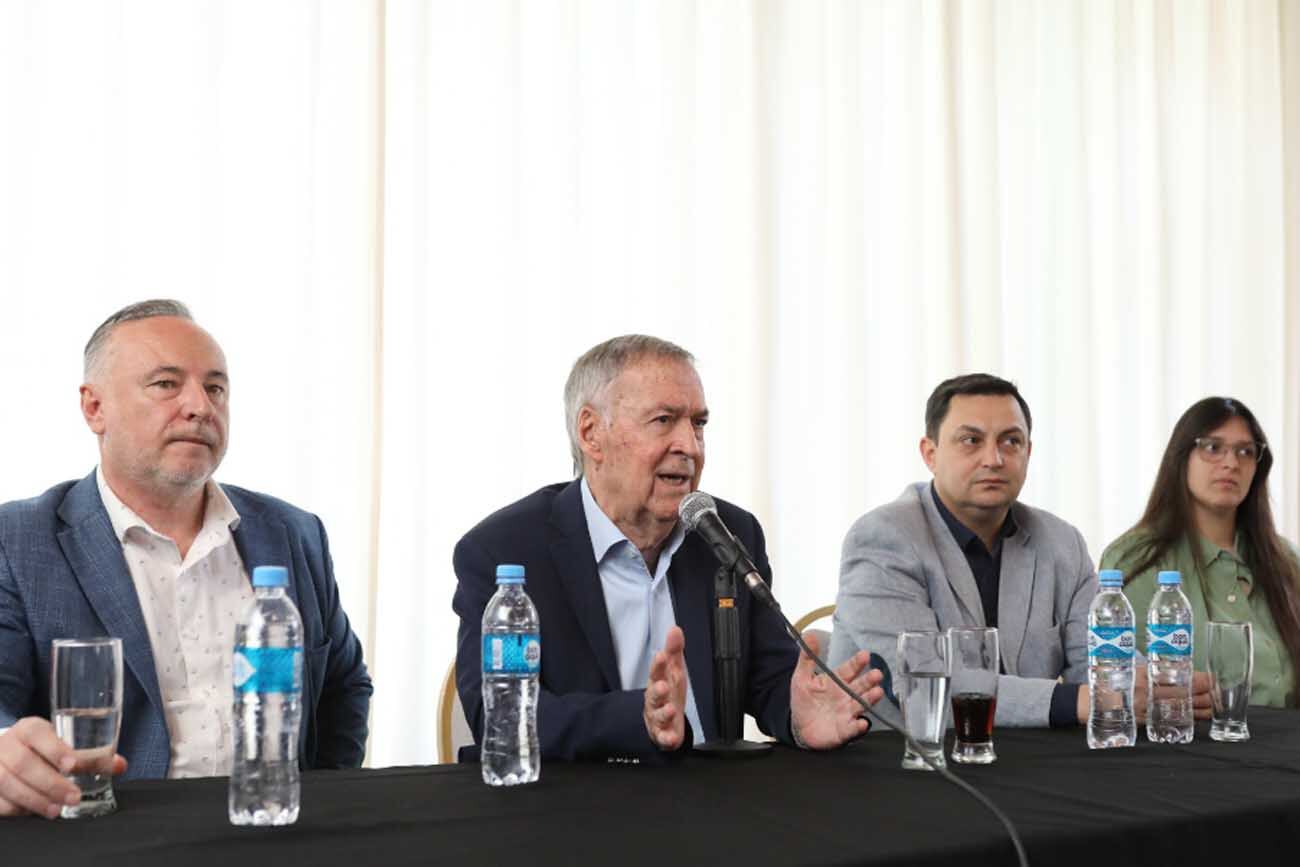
(1151, 805)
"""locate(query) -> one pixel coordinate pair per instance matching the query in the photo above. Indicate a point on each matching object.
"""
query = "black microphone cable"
(913, 745)
(758, 588)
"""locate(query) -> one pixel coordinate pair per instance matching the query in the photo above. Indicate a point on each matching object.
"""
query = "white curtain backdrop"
(405, 219)
(835, 205)
(225, 154)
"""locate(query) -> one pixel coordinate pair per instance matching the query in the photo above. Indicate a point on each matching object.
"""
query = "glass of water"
(1232, 664)
(86, 704)
(924, 667)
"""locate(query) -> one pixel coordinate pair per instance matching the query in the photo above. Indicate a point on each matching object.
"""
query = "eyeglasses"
(1214, 450)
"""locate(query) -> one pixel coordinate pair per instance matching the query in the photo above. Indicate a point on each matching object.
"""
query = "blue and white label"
(1110, 642)
(267, 670)
(517, 653)
(1169, 639)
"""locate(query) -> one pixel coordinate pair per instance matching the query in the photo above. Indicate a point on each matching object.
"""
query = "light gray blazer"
(902, 570)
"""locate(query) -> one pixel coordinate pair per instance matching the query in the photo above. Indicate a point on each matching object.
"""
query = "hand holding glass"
(974, 693)
(86, 706)
(924, 668)
(1232, 664)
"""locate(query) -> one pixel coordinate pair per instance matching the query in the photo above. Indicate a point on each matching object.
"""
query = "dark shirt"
(986, 566)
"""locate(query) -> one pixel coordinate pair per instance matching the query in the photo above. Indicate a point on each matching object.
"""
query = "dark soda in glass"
(972, 716)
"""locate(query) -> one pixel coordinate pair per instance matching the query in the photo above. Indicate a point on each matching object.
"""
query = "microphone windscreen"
(693, 506)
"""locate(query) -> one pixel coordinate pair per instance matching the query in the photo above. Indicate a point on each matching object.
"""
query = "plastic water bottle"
(1169, 663)
(1111, 722)
(512, 657)
(267, 673)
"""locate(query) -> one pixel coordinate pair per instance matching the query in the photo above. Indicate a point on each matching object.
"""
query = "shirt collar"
(963, 534)
(218, 511)
(1210, 552)
(605, 534)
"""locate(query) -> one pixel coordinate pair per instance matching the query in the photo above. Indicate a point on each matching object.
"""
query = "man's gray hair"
(94, 352)
(601, 365)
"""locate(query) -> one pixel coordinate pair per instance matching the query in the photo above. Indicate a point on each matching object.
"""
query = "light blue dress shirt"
(639, 605)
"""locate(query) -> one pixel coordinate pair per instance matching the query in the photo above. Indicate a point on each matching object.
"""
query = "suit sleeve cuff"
(1064, 712)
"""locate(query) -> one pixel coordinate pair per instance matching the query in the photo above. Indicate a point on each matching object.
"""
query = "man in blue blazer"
(624, 595)
(149, 549)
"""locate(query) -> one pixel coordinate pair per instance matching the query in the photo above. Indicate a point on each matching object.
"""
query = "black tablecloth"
(1150, 806)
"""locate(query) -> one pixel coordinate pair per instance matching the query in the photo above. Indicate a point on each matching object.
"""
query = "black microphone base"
(734, 749)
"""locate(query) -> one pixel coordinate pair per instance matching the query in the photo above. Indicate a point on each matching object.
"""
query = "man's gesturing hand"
(821, 715)
(665, 693)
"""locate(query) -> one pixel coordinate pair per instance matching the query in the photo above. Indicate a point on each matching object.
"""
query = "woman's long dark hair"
(1169, 517)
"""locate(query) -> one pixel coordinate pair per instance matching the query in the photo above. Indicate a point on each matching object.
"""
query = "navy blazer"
(63, 575)
(583, 711)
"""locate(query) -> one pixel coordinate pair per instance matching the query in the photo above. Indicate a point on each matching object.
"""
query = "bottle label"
(267, 670)
(1169, 639)
(517, 653)
(1110, 642)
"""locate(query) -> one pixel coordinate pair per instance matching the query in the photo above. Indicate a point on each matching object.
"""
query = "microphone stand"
(726, 675)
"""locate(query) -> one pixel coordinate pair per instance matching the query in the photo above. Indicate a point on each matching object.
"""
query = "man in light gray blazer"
(960, 551)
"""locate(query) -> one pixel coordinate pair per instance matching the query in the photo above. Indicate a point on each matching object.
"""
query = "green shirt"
(1222, 589)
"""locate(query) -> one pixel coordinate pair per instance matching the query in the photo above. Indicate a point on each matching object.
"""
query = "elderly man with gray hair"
(624, 595)
(149, 549)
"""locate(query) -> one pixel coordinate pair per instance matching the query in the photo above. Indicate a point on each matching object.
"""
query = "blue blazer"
(63, 574)
(583, 711)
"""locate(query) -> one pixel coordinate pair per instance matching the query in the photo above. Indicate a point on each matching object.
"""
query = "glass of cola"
(975, 665)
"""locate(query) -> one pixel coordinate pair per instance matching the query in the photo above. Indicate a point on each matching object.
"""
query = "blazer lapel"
(263, 542)
(575, 564)
(953, 562)
(95, 556)
(1015, 591)
(690, 580)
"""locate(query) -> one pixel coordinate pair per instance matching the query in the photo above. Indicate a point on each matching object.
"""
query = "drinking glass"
(86, 706)
(923, 663)
(974, 692)
(1232, 663)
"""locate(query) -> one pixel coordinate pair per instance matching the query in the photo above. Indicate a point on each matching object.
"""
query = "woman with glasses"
(1209, 518)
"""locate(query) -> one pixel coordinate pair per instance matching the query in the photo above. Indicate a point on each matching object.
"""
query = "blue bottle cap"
(270, 576)
(1111, 578)
(1170, 577)
(509, 573)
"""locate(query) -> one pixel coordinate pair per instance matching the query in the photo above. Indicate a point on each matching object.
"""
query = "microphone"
(700, 514)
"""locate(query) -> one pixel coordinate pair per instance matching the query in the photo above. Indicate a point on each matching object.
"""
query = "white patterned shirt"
(190, 608)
